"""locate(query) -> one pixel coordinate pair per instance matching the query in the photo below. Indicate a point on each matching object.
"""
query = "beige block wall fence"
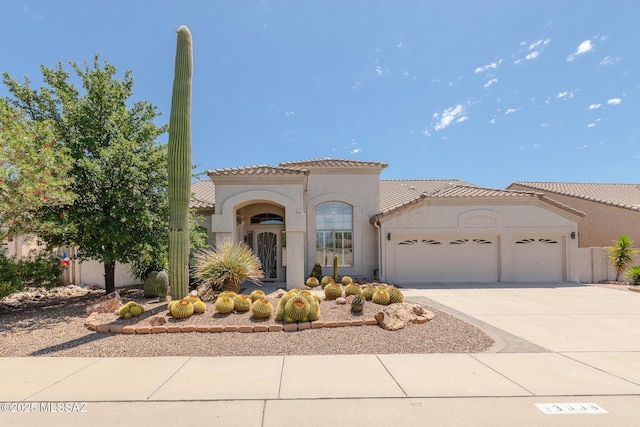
(592, 264)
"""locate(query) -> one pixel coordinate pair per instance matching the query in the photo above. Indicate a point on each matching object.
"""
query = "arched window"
(334, 233)
(267, 218)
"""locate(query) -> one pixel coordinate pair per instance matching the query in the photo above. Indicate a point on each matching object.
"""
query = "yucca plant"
(633, 275)
(224, 267)
(621, 254)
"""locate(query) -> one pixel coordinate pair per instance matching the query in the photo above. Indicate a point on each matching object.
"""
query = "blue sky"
(489, 92)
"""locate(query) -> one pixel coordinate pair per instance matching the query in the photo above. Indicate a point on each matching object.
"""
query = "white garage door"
(539, 259)
(445, 260)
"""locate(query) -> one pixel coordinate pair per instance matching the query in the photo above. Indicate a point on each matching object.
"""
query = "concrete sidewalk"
(590, 354)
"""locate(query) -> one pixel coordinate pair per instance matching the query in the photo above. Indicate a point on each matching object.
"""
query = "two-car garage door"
(446, 260)
(476, 259)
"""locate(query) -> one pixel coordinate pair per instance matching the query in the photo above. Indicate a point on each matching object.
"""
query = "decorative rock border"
(93, 324)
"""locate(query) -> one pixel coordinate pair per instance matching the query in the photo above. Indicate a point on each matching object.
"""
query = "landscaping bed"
(57, 327)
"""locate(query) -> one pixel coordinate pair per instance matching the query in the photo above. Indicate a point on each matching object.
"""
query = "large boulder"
(397, 316)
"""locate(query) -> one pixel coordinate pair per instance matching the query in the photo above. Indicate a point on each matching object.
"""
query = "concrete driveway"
(558, 317)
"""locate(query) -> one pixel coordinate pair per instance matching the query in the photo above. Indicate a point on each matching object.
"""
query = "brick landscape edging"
(92, 324)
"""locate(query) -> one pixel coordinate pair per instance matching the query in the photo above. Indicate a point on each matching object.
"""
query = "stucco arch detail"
(224, 220)
(480, 218)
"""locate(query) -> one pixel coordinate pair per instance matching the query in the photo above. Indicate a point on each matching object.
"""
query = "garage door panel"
(446, 260)
(539, 259)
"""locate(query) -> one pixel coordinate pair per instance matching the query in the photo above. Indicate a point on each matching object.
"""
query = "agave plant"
(224, 267)
(633, 275)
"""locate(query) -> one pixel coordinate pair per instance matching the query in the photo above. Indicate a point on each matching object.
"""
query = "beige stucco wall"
(234, 200)
(602, 223)
(504, 219)
(362, 192)
(296, 197)
(92, 273)
(21, 246)
(594, 264)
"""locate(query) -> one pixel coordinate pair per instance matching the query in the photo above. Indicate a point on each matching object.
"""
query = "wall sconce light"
(388, 236)
(573, 235)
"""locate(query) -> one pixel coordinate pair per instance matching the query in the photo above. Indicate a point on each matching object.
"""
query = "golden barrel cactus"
(261, 309)
(182, 309)
(224, 305)
(332, 291)
(381, 296)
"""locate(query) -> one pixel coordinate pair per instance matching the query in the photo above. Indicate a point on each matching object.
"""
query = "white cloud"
(289, 113)
(590, 125)
(565, 94)
(356, 150)
(491, 66)
(594, 106)
(450, 115)
(511, 111)
(27, 12)
(492, 121)
(532, 55)
(491, 82)
(462, 119)
(426, 133)
(378, 70)
(607, 60)
(539, 43)
(614, 101)
(584, 47)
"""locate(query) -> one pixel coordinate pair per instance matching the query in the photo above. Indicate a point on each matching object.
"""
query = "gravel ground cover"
(54, 325)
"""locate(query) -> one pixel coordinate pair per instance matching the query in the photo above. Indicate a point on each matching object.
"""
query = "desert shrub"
(39, 269)
(633, 275)
(10, 280)
(226, 265)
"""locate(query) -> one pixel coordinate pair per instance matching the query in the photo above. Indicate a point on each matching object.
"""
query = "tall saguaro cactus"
(179, 159)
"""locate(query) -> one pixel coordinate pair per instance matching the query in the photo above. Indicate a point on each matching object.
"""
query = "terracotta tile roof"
(258, 170)
(457, 189)
(328, 162)
(620, 195)
(398, 192)
(204, 194)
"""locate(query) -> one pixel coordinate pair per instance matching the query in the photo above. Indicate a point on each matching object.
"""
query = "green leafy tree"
(621, 254)
(120, 170)
(154, 258)
(33, 172)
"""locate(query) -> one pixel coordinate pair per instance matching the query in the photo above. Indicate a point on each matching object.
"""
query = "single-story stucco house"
(404, 232)
(300, 213)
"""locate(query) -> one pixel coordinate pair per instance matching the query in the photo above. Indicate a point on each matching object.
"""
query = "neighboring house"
(297, 214)
(610, 209)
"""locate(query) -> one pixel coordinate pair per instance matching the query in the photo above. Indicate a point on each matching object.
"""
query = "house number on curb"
(570, 408)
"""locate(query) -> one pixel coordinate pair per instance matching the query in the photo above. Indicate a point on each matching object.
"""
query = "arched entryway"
(262, 228)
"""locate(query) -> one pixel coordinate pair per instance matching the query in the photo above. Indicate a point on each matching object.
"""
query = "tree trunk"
(110, 277)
